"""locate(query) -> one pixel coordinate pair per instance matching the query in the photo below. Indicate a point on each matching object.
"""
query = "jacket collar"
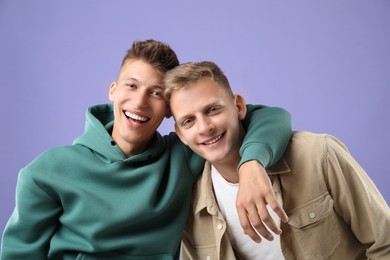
(203, 192)
(280, 167)
(203, 196)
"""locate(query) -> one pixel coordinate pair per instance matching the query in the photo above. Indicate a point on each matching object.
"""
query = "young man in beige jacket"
(334, 209)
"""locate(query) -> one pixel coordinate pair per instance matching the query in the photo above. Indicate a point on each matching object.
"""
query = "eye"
(187, 122)
(214, 110)
(156, 93)
(131, 85)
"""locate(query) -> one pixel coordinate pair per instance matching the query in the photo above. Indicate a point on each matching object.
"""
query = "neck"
(130, 148)
(228, 167)
(228, 170)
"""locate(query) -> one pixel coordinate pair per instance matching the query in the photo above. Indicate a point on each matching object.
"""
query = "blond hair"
(188, 73)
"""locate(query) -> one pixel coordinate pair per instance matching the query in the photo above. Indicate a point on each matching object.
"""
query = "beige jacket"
(335, 211)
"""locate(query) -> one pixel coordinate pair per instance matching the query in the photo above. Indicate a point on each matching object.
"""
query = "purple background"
(327, 62)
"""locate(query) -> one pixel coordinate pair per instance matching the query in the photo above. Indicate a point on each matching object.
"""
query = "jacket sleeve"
(357, 200)
(268, 131)
(29, 230)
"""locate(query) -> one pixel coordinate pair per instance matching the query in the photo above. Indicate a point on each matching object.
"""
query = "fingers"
(246, 225)
(256, 220)
(277, 208)
(254, 226)
(267, 219)
(258, 223)
(254, 194)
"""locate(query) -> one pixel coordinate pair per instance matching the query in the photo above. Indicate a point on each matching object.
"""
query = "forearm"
(268, 133)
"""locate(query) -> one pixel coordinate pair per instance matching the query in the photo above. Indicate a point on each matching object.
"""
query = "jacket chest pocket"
(314, 228)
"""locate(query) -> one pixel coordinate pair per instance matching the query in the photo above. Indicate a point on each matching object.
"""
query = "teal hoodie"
(88, 201)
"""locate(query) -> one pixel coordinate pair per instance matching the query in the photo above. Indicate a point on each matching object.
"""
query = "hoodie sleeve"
(33, 222)
(268, 131)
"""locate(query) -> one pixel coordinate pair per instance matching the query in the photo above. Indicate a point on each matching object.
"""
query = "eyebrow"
(152, 86)
(131, 79)
(181, 119)
(206, 107)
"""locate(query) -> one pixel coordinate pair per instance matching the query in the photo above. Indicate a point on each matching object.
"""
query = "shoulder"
(52, 169)
(304, 137)
(308, 142)
(59, 158)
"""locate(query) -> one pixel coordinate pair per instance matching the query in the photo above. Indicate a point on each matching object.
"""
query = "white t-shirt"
(226, 194)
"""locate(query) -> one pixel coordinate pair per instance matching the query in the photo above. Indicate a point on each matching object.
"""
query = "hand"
(254, 193)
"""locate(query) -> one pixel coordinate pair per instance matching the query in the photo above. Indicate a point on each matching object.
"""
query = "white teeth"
(214, 140)
(136, 117)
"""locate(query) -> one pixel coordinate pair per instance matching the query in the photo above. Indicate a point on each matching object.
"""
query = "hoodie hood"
(97, 137)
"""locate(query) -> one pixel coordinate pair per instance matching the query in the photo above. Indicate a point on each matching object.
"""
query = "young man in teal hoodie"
(334, 209)
(121, 190)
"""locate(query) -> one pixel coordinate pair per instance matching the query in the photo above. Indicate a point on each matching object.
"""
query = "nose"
(205, 125)
(140, 99)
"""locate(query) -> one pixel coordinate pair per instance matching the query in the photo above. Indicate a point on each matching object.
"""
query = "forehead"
(140, 70)
(201, 88)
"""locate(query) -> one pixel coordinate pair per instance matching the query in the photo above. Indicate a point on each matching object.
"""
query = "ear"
(111, 91)
(177, 130)
(168, 112)
(239, 101)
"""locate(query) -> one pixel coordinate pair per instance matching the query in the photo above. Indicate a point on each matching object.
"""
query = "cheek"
(222, 121)
(161, 109)
(184, 135)
(118, 97)
(190, 138)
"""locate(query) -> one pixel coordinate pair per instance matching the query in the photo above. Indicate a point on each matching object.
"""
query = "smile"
(136, 118)
(214, 140)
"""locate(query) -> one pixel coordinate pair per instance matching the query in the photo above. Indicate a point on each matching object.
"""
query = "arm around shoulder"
(268, 131)
(268, 134)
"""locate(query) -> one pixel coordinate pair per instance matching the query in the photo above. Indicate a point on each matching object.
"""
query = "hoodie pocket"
(314, 226)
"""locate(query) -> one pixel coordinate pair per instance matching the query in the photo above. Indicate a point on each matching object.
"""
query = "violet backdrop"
(327, 62)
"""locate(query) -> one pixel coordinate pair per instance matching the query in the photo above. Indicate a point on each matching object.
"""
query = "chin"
(215, 159)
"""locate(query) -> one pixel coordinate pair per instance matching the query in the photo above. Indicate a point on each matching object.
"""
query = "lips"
(136, 118)
(213, 140)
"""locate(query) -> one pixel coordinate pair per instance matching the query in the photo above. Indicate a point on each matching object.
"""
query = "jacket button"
(208, 257)
(219, 226)
(312, 215)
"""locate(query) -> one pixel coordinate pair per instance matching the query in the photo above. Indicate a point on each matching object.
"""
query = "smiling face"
(139, 106)
(208, 120)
